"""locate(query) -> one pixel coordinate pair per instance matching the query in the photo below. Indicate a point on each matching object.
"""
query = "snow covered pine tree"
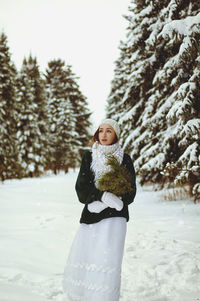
(9, 166)
(68, 117)
(32, 118)
(155, 93)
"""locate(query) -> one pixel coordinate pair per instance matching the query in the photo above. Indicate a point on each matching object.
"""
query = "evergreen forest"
(154, 96)
(155, 92)
(44, 118)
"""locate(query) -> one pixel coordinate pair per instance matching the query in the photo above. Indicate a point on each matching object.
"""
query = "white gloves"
(108, 200)
(112, 201)
(96, 206)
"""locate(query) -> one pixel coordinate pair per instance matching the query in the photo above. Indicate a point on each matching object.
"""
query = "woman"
(93, 268)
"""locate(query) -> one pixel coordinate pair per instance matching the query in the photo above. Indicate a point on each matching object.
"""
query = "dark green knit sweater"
(87, 191)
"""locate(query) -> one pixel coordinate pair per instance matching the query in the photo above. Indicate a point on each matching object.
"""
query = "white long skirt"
(93, 268)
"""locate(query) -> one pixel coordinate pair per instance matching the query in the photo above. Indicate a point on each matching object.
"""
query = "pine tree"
(32, 119)
(160, 99)
(9, 167)
(117, 180)
(115, 108)
(68, 116)
(81, 115)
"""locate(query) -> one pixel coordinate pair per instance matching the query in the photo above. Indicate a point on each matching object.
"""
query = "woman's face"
(106, 134)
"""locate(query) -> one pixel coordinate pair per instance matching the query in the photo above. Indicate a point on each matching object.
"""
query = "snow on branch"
(190, 155)
(183, 27)
(192, 127)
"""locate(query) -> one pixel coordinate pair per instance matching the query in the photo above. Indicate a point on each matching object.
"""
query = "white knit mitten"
(96, 206)
(112, 201)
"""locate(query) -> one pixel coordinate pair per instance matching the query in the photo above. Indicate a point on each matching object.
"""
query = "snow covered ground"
(39, 218)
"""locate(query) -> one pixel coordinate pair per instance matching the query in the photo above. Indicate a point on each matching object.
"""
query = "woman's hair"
(96, 138)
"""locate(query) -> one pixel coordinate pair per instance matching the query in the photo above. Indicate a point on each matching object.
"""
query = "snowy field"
(39, 218)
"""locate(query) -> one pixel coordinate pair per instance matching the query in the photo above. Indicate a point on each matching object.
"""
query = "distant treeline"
(44, 118)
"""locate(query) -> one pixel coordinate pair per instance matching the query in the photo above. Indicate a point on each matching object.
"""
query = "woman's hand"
(112, 201)
(96, 206)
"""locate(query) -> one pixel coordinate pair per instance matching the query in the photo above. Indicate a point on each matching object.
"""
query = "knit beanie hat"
(113, 123)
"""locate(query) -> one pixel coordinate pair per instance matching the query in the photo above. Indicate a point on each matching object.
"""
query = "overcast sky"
(84, 33)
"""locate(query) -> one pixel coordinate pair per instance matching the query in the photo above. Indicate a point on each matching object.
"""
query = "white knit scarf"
(99, 158)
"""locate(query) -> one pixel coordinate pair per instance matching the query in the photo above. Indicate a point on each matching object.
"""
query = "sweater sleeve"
(128, 198)
(85, 187)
